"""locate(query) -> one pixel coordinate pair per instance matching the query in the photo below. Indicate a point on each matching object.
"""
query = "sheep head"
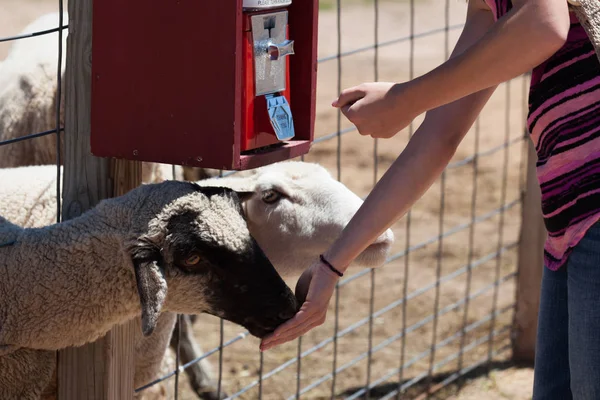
(198, 256)
(298, 210)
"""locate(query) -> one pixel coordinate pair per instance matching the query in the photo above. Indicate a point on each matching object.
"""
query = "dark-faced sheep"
(172, 247)
(296, 210)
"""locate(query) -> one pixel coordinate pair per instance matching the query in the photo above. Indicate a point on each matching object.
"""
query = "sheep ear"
(151, 285)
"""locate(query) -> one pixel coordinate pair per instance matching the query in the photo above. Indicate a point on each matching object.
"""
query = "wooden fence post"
(530, 265)
(102, 370)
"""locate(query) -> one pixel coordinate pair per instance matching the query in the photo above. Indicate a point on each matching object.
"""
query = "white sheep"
(296, 211)
(172, 247)
(28, 94)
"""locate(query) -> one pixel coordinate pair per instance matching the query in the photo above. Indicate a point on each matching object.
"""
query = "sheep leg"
(200, 374)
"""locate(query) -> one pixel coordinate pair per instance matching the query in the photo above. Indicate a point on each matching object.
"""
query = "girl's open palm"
(314, 290)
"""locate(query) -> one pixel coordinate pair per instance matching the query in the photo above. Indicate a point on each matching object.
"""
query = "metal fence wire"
(442, 306)
(58, 128)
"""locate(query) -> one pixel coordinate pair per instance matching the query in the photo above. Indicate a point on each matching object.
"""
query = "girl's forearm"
(455, 92)
(529, 34)
(419, 165)
(427, 154)
(402, 185)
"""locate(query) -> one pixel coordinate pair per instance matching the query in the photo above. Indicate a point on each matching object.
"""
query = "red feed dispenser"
(216, 84)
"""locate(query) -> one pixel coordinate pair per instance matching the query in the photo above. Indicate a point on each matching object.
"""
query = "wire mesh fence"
(17, 138)
(442, 305)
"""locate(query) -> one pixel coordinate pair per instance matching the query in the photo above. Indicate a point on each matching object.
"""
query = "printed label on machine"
(262, 4)
(280, 116)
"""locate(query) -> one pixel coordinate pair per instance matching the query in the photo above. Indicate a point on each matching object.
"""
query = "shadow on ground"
(442, 385)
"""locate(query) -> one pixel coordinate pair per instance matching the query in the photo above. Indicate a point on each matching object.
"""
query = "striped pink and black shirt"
(564, 125)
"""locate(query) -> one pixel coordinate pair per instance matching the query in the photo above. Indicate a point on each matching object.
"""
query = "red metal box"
(170, 83)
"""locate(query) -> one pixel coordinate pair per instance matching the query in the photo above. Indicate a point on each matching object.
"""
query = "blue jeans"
(567, 360)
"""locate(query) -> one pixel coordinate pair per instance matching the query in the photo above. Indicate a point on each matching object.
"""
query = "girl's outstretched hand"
(314, 290)
(378, 109)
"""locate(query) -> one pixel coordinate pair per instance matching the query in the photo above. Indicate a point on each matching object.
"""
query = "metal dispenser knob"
(277, 51)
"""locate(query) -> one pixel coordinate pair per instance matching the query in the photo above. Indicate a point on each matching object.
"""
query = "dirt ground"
(497, 176)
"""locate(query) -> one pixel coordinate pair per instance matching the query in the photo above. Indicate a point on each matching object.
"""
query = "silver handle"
(280, 50)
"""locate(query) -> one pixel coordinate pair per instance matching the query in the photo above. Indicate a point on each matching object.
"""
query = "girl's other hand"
(378, 109)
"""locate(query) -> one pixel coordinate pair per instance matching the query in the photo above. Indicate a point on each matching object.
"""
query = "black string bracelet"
(331, 267)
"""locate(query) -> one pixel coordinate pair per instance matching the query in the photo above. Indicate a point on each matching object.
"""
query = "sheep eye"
(192, 260)
(270, 196)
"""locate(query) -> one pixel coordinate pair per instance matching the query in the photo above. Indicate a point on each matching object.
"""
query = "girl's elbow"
(554, 29)
(557, 33)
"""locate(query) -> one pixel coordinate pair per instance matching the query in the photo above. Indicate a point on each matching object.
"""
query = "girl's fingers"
(300, 318)
(292, 334)
(348, 97)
